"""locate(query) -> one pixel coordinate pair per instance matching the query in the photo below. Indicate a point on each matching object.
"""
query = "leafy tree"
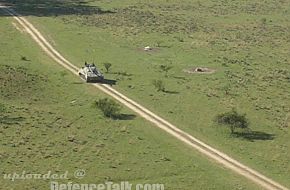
(107, 66)
(159, 85)
(233, 120)
(109, 107)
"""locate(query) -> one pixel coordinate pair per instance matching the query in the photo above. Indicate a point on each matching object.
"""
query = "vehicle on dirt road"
(90, 73)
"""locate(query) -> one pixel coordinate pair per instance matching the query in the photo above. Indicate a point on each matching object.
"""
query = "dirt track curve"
(203, 148)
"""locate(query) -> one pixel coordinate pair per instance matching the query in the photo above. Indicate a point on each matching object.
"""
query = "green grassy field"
(246, 42)
(48, 123)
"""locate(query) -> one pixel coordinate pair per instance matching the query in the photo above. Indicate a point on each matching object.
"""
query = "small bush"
(159, 85)
(233, 120)
(23, 58)
(107, 66)
(109, 107)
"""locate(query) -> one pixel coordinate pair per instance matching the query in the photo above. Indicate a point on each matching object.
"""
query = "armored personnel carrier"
(90, 73)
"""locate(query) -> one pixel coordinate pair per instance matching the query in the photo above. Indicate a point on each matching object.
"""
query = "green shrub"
(109, 107)
(233, 120)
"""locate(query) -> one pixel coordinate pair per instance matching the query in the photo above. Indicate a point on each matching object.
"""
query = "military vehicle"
(90, 73)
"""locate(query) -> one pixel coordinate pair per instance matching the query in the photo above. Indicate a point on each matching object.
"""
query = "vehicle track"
(202, 147)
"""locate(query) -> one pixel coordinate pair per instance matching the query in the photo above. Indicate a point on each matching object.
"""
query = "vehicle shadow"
(44, 8)
(254, 135)
(105, 81)
(109, 82)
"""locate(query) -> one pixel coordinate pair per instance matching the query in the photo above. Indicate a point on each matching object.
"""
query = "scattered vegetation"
(55, 125)
(18, 81)
(248, 52)
(226, 88)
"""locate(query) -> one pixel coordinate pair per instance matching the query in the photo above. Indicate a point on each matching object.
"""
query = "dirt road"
(202, 147)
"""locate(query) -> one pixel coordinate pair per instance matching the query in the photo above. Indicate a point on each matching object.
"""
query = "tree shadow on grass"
(124, 117)
(52, 7)
(254, 135)
(7, 120)
(171, 92)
